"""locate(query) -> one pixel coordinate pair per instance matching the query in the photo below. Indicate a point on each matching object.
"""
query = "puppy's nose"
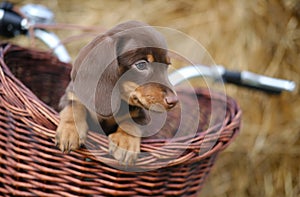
(171, 101)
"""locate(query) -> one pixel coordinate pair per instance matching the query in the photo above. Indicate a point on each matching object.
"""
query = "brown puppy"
(116, 80)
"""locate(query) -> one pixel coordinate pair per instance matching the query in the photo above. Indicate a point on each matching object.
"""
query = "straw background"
(257, 35)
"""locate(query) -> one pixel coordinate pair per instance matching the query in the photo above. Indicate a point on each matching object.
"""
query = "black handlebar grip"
(10, 24)
(232, 77)
(6, 5)
(236, 78)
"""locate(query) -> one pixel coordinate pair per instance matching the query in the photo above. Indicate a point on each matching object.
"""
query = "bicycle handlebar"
(13, 24)
(244, 78)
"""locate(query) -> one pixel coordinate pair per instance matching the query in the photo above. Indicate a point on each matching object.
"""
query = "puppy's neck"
(138, 114)
(125, 113)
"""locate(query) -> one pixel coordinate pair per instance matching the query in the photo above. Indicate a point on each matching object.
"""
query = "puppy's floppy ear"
(95, 74)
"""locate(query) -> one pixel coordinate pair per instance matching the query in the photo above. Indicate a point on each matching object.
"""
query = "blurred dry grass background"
(258, 35)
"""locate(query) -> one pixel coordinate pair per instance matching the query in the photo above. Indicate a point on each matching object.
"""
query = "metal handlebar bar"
(13, 24)
(244, 78)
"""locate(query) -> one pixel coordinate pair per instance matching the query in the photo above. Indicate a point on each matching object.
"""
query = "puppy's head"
(131, 56)
(145, 82)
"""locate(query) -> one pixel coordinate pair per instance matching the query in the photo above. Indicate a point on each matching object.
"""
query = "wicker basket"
(31, 81)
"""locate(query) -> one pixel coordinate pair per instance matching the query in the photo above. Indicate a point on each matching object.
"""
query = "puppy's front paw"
(67, 137)
(72, 129)
(124, 147)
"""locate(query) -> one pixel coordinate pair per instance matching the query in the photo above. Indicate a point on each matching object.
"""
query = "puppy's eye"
(141, 65)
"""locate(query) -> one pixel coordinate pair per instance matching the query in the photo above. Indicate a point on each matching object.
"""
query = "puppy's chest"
(108, 125)
(138, 115)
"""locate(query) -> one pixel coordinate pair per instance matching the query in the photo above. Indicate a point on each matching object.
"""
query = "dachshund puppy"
(117, 79)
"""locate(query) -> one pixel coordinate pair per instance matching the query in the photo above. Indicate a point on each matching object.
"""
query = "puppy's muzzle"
(157, 95)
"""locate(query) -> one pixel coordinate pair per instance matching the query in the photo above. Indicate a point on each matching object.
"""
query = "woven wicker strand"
(31, 83)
